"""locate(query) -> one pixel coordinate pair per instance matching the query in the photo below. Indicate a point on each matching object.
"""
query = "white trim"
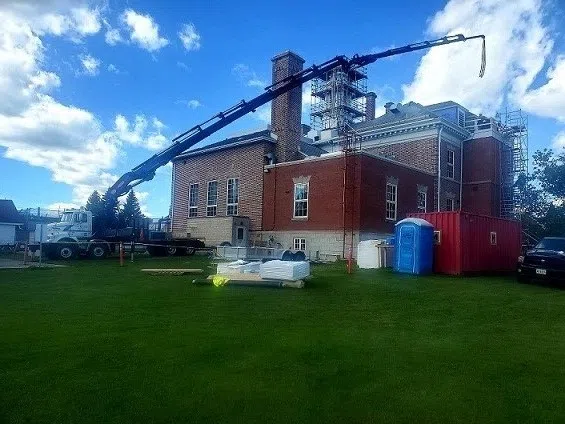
(236, 204)
(450, 165)
(208, 205)
(190, 185)
(425, 193)
(392, 202)
(294, 201)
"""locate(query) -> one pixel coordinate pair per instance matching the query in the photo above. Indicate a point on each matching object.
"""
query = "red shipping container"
(466, 243)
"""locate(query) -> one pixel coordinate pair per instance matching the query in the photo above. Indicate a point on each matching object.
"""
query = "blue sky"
(93, 88)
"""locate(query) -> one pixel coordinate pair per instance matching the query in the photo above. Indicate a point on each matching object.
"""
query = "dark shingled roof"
(9, 213)
(263, 135)
(311, 150)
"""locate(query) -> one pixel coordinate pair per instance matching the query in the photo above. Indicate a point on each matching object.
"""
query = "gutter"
(439, 169)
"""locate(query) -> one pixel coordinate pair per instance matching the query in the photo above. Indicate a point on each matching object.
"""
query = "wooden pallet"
(172, 271)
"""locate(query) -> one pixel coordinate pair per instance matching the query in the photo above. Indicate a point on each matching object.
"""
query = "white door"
(7, 234)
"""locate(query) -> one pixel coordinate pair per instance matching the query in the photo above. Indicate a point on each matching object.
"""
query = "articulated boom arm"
(146, 170)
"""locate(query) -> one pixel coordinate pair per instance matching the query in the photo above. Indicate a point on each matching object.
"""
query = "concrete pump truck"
(74, 235)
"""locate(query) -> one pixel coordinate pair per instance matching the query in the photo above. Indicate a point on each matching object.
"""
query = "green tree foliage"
(543, 195)
(131, 212)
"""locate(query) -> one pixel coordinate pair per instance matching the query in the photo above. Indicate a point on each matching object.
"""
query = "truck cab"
(75, 225)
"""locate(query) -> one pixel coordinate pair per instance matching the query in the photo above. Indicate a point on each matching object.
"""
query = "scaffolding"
(514, 161)
(338, 99)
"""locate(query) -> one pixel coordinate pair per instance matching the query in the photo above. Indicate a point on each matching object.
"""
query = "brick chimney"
(370, 98)
(286, 110)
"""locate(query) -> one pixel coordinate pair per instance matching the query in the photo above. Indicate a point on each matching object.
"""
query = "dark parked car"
(545, 261)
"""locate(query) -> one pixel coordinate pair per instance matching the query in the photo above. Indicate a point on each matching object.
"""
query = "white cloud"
(61, 206)
(549, 99)
(144, 31)
(518, 44)
(113, 37)
(191, 104)
(182, 65)
(189, 37)
(140, 132)
(36, 128)
(559, 140)
(247, 76)
(90, 65)
(112, 68)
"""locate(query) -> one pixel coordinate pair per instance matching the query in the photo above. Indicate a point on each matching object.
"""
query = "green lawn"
(96, 343)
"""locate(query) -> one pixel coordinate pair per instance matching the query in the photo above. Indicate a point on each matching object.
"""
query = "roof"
(242, 140)
(309, 149)
(416, 221)
(401, 112)
(8, 212)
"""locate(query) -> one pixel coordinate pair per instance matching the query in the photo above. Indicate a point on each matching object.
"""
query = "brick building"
(277, 186)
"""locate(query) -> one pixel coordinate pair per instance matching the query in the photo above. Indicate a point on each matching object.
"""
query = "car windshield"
(67, 217)
(557, 244)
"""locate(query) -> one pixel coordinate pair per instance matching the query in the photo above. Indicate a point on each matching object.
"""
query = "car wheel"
(172, 251)
(98, 251)
(66, 252)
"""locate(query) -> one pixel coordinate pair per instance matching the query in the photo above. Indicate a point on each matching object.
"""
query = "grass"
(95, 343)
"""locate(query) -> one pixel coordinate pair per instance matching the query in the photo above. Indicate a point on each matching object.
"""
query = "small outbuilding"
(9, 220)
(466, 243)
(414, 242)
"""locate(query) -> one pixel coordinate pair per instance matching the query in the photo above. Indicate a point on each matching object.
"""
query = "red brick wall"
(244, 162)
(365, 194)
(421, 154)
(481, 176)
(373, 182)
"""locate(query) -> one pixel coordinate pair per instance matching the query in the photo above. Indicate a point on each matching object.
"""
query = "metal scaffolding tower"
(338, 99)
(514, 161)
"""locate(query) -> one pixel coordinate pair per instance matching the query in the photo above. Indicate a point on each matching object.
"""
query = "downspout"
(343, 200)
(439, 168)
(461, 180)
(173, 197)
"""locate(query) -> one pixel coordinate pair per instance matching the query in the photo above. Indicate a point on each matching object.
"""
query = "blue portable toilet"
(414, 246)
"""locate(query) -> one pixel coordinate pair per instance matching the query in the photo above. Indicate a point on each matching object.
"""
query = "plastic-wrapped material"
(238, 267)
(285, 270)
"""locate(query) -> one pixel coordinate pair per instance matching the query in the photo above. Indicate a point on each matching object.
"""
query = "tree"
(131, 211)
(95, 204)
(543, 195)
(110, 214)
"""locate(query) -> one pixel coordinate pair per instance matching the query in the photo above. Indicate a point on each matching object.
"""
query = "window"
(493, 238)
(449, 204)
(233, 196)
(391, 201)
(299, 244)
(193, 201)
(450, 164)
(240, 233)
(437, 237)
(212, 198)
(422, 201)
(461, 118)
(301, 200)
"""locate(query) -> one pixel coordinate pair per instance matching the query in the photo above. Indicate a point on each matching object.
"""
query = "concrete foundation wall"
(324, 245)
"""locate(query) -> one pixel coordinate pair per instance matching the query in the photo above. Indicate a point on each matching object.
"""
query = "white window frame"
(296, 201)
(299, 243)
(450, 171)
(461, 121)
(493, 238)
(418, 207)
(233, 205)
(392, 204)
(193, 208)
(209, 206)
(449, 199)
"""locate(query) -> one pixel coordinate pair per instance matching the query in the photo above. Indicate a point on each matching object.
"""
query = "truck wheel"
(98, 251)
(66, 251)
(190, 251)
(173, 251)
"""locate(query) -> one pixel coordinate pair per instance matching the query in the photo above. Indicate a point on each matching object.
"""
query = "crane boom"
(146, 170)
